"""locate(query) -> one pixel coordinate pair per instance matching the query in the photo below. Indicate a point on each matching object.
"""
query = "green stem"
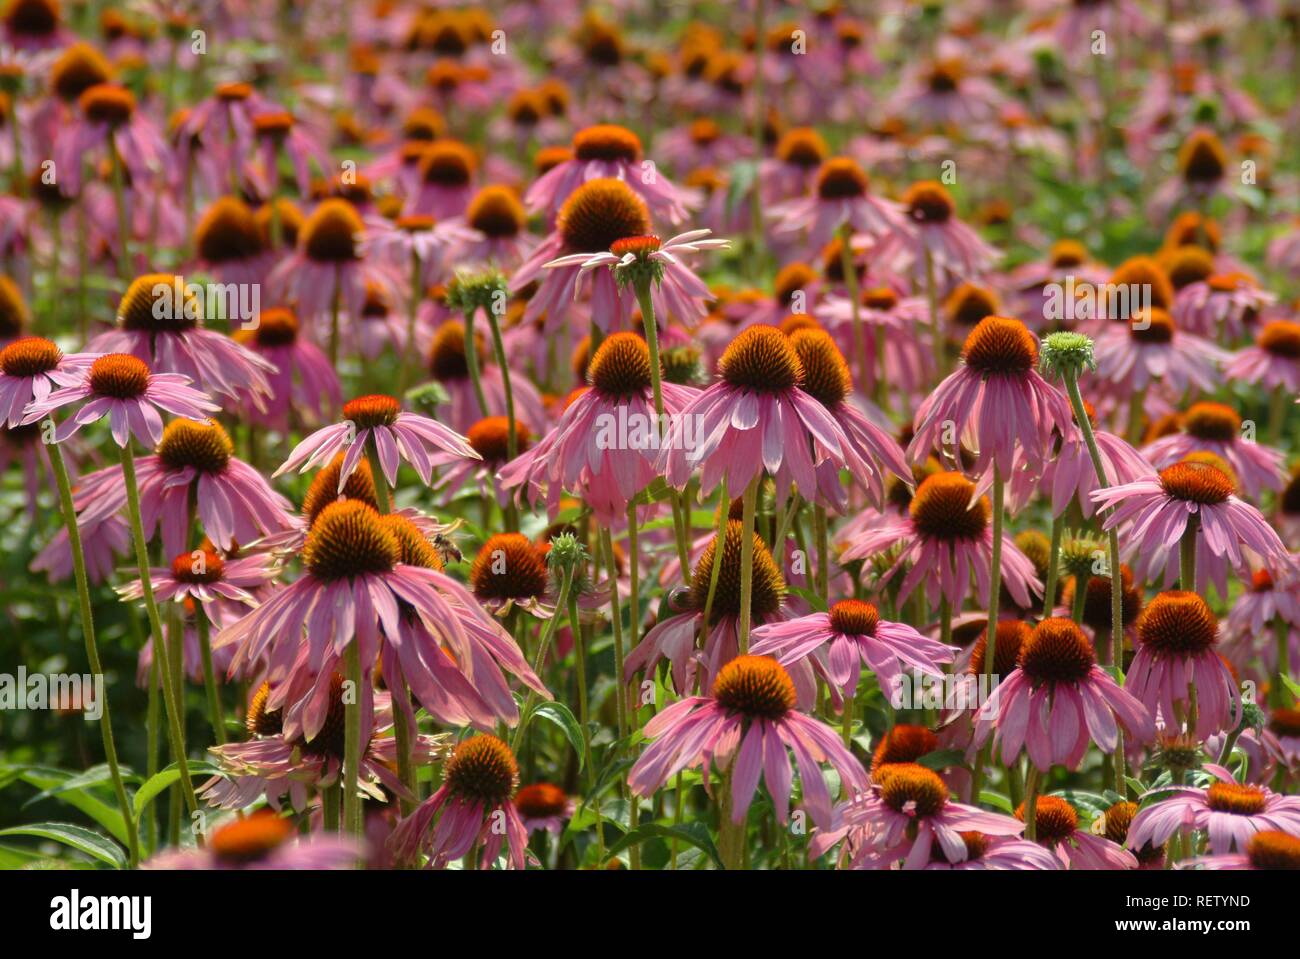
(471, 360)
(823, 553)
(650, 327)
(402, 735)
(995, 574)
(851, 285)
(1187, 555)
(719, 545)
(1112, 539)
(412, 309)
(846, 721)
(1277, 410)
(209, 677)
(566, 583)
(512, 437)
(352, 741)
(932, 305)
(1053, 566)
(92, 646)
(335, 305)
(117, 173)
(175, 731)
(616, 618)
(1281, 633)
(746, 561)
(579, 646)
(1031, 802)
(329, 805)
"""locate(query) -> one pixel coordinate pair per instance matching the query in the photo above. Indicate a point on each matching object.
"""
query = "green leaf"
(695, 834)
(1085, 800)
(82, 800)
(998, 800)
(563, 717)
(1292, 685)
(78, 837)
(161, 780)
(942, 759)
(93, 776)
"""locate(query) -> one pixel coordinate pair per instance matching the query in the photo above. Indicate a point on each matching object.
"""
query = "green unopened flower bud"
(1066, 354)
(566, 552)
(478, 289)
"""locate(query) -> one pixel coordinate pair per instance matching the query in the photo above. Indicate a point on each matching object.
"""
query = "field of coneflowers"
(649, 435)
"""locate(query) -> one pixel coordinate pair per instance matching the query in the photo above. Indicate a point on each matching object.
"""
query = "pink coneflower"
(397, 435)
(945, 93)
(893, 325)
(544, 806)
(701, 142)
(1131, 356)
(676, 293)
(1160, 507)
(1216, 428)
(375, 580)
(328, 266)
(791, 170)
(985, 852)
(304, 384)
(1058, 701)
(228, 242)
(1281, 737)
(494, 229)
(840, 198)
(998, 400)
(757, 418)
(444, 180)
(22, 445)
(222, 127)
(122, 388)
(450, 368)
(826, 379)
(1067, 260)
(414, 243)
(232, 500)
(31, 368)
(1058, 830)
(263, 840)
(512, 572)
(851, 634)
(606, 443)
(673, 638)
(275, 763)
(224, 586)
(478, 782)
(936, 235)
(278, 135)
(1266, 849)
(1177, 665)
(1273, 361)
(1222, 306)
(1228, 812)
(158, 320)
(947, 539)
(1071, 476)
(490, 438)
(605, 151)
(746, 724)
(109, 119)
(907, 816)
(102, 542)
(1265, 600)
